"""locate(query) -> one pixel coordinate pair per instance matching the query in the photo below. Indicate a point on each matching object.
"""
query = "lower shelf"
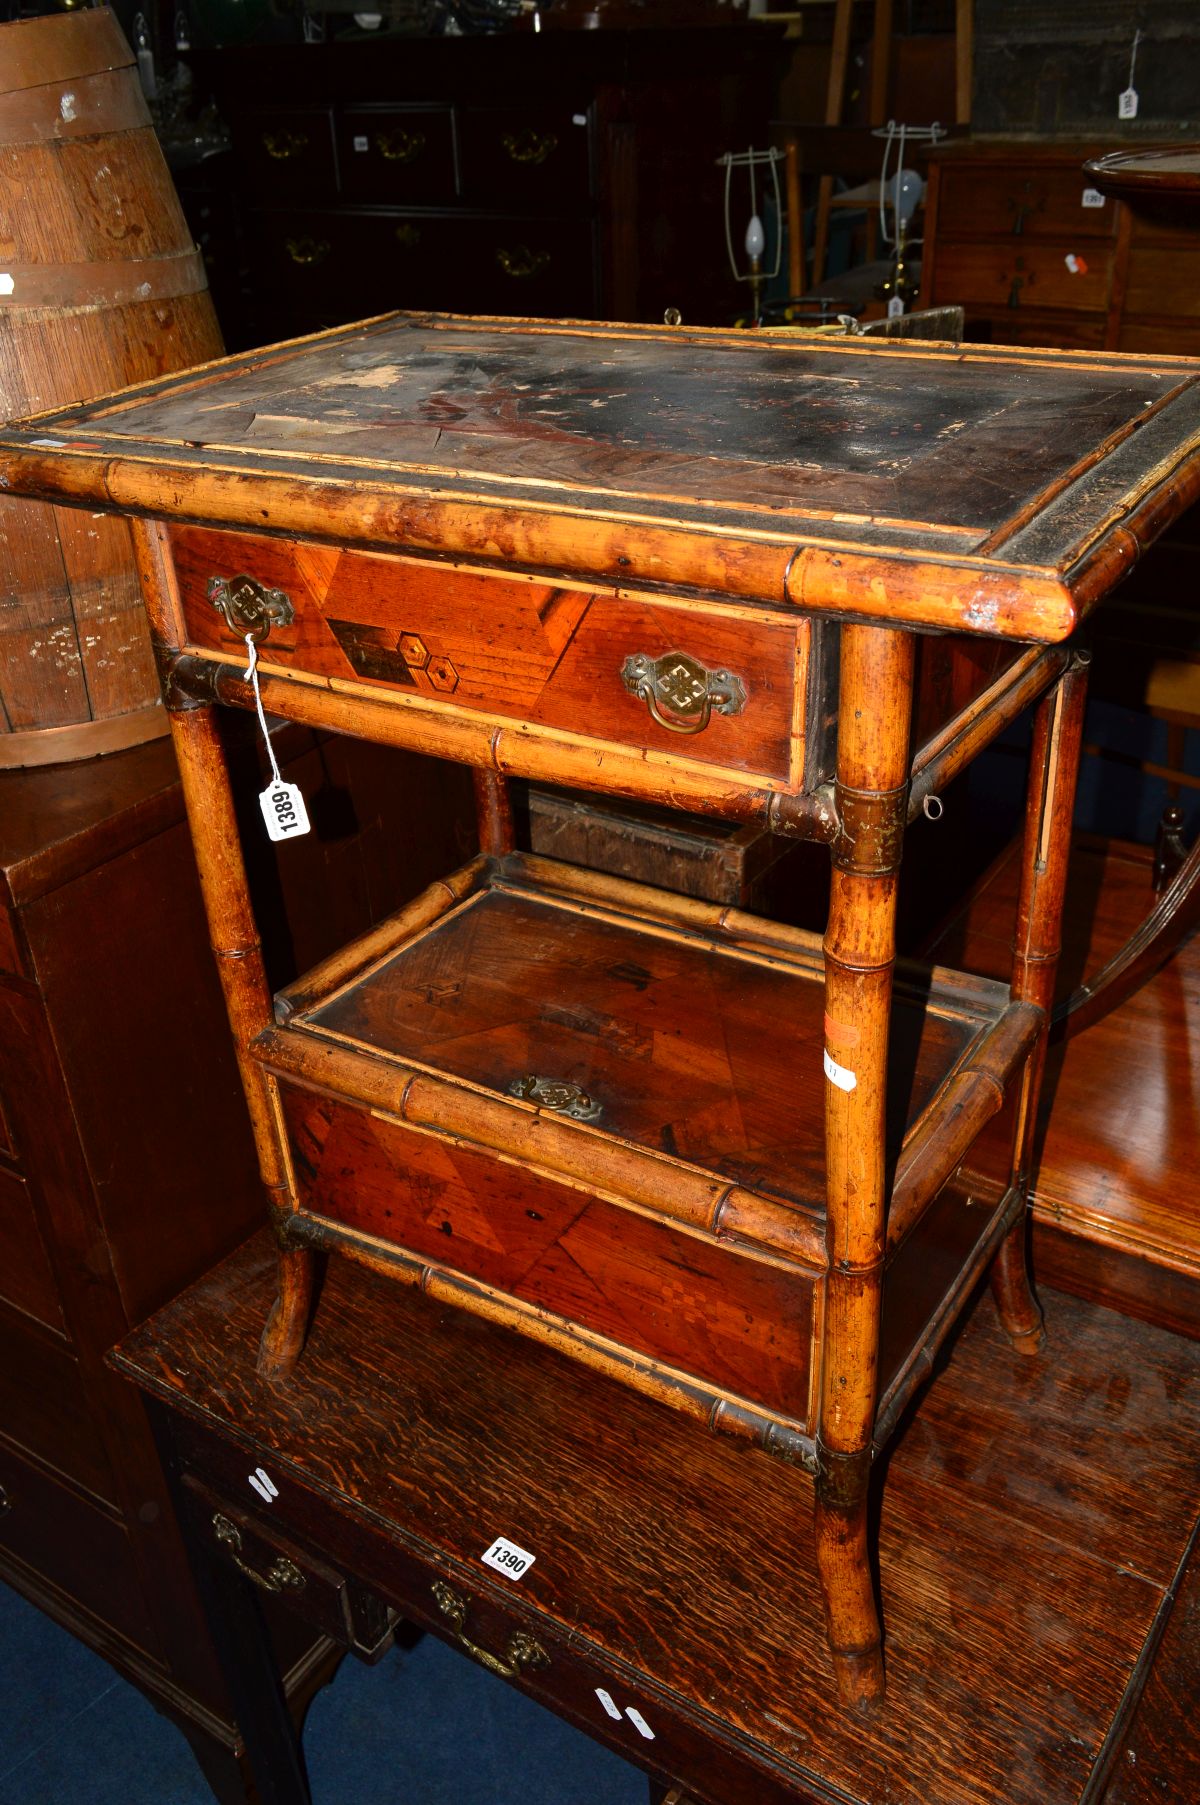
(596, 1111)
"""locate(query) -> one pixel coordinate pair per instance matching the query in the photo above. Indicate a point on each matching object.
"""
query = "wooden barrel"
(100, 286)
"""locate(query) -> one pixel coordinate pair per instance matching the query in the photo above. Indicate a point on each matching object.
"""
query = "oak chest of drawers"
(750, 1171)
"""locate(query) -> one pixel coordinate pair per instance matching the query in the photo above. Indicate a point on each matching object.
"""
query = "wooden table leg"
(243, 1645)
(860, 951)
(1054, 767)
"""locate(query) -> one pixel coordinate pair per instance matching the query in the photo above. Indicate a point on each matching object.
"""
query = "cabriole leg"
(1054, 767)
(860, 949)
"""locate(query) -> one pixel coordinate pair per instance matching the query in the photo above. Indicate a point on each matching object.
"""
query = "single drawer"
(1165, 280)
(288, 153)
(522, 265)
(1038, 326)
(76, 1547)
(397, 155)
(555, 657)
(1015, 276)
(525, 157)
(1021, 200)
(339, 1607)
(26, 1278)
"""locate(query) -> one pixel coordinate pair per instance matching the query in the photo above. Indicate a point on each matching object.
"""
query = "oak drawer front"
(741, 1324)
(397, 155)
(1016, 275)
(1020, 200)
(345, 264)
(339, 1607)
(76, 1546)
(287, 153)
(503, 1625)
(26, 1278)
(525, 157)
(548, 655)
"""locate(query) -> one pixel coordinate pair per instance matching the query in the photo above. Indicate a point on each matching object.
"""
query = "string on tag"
(281, 803)
(251, 675)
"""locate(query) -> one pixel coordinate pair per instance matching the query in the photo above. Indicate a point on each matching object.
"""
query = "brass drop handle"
(408, 237)
(522, 262)
(247, 607)
(1014, 293)
(281, 1576)
(528, 146)
(308, 250)
(401, 146)
(282, 145)
(688, 691)
(521, 1653)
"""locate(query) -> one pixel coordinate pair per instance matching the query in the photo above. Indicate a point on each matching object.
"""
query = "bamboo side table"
(753, 1174)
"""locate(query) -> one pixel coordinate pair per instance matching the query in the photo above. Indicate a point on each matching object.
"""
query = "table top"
(1150, 170)
(994, 490)
(1030, 1529)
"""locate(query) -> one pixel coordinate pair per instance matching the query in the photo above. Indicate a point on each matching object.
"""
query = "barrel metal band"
(107, 284)
(871, 837)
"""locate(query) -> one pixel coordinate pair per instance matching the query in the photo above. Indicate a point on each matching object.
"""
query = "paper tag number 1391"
(508, 1559)
(283, 811)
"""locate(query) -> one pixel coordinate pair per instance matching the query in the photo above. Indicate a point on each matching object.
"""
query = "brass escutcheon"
(528, 146)
(521, 1652)
(521, 262)
(283, 145)
(281, 1576)
(248, 607)
(688, 690)
(400, 146)
(558, 1094)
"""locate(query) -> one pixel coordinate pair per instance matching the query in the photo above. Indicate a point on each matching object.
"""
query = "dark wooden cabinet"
(1018, 234)
(127, 1166)
(571, 174)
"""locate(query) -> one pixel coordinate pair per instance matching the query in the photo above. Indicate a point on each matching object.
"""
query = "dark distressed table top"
(995, 489)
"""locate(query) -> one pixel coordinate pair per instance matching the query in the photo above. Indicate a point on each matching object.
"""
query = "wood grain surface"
(997, 491)
(1030, 1529)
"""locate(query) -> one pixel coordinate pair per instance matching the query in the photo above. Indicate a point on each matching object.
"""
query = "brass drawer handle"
(555, 1093)
(521, 1652)
(400, 146)
(308, 250)
(528, 146)
(408, 237)
(282, 145)
(685, 687)
(250, 608)
(281, 1576)
(522, 262)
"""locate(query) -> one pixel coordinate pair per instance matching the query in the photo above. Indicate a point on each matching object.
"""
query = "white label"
(1075, 264)
(1092, 197)
(283, 811)
(1127, 104)
(361, 142)
(838, 1074)
(895, 307)
(639, 1723)
(508, 1559)
(7, 285)
(607, 1701)
(578, 118)
(264, 1485)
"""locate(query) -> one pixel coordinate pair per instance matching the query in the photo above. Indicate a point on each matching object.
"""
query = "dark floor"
(426, 1727)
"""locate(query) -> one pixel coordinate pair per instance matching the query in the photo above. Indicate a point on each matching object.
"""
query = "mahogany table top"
(996, 490)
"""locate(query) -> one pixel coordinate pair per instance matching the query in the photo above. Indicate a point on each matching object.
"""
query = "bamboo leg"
(873, 733)
(1054, 767)
(493, 813)
(236, 947)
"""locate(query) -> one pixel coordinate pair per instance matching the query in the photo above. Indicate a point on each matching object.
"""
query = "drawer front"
(1016, 276)
(1165, 280)
(1165, 338)
(497, 1623)
(1033, 326)
(525, 157)
(531, 651)
(522, 266)
(741, 1324)
(1020, 200)
(339, 1607)
(26, 1278)
(288, 153)
(74, 1545)
(397, 156)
